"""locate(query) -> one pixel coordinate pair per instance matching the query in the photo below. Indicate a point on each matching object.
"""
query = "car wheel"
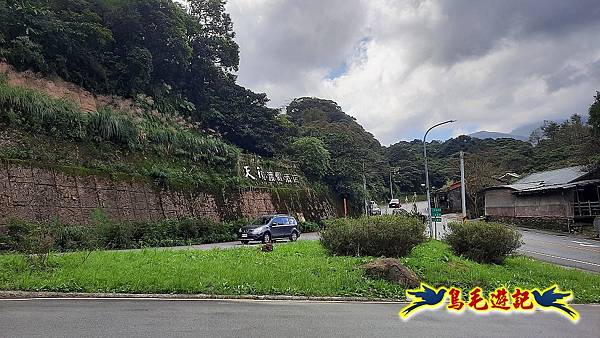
(266, 238)
(293, 236)
(245, 242)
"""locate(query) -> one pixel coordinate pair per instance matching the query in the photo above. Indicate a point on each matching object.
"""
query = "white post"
(463, 185)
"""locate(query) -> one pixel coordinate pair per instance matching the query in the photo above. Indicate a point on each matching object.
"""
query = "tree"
(594, 120)
(350, 147)
(311, 155)
(479, 174)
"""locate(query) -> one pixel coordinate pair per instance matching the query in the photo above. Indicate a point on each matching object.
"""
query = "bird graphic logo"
(551, 299)
(422, 298)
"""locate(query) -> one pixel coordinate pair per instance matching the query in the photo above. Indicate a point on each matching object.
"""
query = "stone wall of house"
(43, 194)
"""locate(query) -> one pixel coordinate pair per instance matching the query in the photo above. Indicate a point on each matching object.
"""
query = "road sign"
(436, 219)
(436, 212)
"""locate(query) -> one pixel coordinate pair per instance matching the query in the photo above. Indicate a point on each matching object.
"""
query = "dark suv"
(268, 228)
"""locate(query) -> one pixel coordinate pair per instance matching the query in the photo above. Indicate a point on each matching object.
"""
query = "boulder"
(391, 270)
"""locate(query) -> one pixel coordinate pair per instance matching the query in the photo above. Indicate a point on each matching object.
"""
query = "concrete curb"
(82, 295)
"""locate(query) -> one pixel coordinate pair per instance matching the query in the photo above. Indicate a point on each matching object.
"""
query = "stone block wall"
(43, 194)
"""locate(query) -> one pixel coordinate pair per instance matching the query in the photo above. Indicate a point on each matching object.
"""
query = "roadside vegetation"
(391, 236)
(302, 268)
(39, 113)
(33, 238)
(484, 242)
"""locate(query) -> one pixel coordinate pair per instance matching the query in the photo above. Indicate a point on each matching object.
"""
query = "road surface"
(563, 250)
(311, 236)
(219, 318)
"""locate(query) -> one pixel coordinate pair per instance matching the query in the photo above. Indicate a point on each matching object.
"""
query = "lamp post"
(427, 175)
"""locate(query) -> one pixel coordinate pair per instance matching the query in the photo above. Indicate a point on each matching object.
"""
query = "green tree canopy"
(183, 57)
(311, 155)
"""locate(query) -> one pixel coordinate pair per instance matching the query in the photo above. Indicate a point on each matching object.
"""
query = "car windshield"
(262, 220)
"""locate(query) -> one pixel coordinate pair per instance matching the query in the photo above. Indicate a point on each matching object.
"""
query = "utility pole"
(463, 186)
(391, 188)
(427, 174)
(365, 189)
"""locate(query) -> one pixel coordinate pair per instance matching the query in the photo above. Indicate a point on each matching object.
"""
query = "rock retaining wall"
(43, 194)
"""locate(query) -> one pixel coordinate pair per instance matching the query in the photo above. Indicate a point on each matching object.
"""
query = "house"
(561, 196)
(448, 198)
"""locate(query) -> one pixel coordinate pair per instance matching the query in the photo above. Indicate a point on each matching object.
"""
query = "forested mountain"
(555, 145)
(353, 150)
(192, 120)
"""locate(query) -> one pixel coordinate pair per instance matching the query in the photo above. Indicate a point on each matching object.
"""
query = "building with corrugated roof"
(568, 195)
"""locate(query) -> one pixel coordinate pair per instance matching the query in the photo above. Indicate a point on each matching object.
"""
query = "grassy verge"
(301, 268)
(439, 266)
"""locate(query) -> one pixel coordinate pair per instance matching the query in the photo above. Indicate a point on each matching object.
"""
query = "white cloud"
(399, 66)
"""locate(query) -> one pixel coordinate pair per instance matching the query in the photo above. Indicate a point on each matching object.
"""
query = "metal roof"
(558, 176)
(557, 186)
(553, 179)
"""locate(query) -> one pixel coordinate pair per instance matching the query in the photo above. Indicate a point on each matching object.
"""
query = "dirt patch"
(60, 89)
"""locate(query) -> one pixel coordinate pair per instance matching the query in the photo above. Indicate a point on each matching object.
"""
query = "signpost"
(436, 214)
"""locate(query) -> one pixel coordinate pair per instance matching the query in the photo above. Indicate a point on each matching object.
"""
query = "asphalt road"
(311, 236)
(563, 250)
(216, 318)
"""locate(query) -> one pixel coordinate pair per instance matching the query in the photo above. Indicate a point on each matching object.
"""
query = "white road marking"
(586, 244)
(563, 258)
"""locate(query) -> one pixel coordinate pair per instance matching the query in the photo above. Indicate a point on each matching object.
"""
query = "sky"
(399, 66)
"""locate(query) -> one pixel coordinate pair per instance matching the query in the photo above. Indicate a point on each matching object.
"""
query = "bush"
(103, 233)
(108, 125)
(483, 242)
(308, 226)
(390, 236)
(33, 239)
(72, 237)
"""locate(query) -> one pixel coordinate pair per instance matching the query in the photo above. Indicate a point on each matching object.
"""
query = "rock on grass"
(391, 270)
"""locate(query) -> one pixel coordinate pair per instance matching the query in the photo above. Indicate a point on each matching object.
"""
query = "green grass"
(439, 266)
(301, 268)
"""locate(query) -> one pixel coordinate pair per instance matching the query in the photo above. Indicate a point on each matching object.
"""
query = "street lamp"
(427, 175)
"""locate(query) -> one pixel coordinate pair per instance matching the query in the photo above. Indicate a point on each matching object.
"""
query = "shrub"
(308, 226)
(391, 236)
(34, 239)
(108, 125)
(72, 237)
(483, 242)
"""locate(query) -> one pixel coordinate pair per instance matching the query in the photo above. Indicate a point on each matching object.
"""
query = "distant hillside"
(496, 135)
